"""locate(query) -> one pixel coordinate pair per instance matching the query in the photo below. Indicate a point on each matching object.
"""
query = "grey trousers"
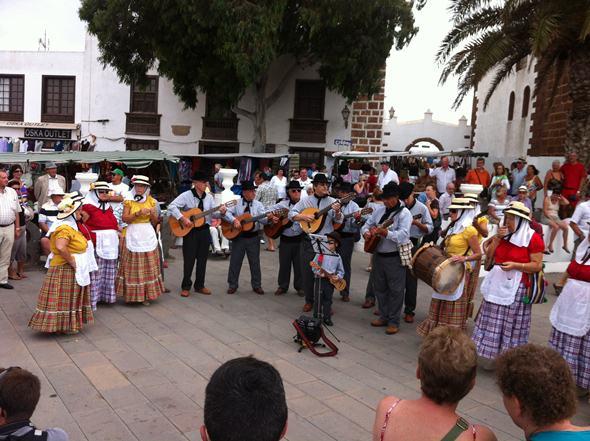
(289, 256)
(245, 246)
(345, 250)
(389, 279)
(307, 255)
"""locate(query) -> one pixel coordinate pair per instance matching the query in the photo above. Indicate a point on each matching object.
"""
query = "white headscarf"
(522, 235)
(464, 220)
(582, 251)
(93, 199)
(133, 196)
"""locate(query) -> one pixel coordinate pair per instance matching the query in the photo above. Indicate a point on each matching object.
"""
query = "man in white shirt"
(387, 175)
(47, 183)
(444, 201)
(305, 182)
(120, 189)
(443, 174)
(9, 226)
(580, 219)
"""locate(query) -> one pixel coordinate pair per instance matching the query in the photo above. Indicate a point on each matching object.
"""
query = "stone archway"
(430, 140)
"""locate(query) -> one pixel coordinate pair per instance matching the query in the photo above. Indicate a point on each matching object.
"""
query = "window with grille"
(12, 88)
(144, 98)
(308, 156)
(142, 144)
(58, 99)
(309, 99)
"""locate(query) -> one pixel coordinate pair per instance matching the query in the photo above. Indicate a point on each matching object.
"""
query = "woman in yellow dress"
(139, 278)
(64, 299)
(462, 244)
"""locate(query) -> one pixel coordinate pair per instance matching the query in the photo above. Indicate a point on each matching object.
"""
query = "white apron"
(571, 312)
(107, 244)
(141, 238)
(89, 253)
(500, 286)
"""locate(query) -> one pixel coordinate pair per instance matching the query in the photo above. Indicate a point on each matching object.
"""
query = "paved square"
(139, 373)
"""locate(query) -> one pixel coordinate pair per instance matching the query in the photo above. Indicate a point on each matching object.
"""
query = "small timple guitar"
(320, 215)
(247, 222)
(363, 212)
(339, 284)
(196, 216)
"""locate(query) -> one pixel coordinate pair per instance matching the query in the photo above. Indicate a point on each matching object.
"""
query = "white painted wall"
(397, 135)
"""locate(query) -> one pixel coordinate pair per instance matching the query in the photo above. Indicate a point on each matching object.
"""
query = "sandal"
(22, 275)
(14, 276)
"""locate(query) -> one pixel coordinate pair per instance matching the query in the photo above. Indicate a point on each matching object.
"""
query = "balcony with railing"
(220, 128)
(143, 124)
(307, 130)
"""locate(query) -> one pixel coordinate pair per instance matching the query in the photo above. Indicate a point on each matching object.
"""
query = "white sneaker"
(262, 241)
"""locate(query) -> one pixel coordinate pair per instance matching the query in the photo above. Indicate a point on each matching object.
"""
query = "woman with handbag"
(504, 318)
(461, 242)
(570, 317)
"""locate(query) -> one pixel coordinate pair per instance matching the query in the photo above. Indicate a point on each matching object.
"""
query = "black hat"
(248, 185)
(335, 236)
(320, 178)
(385, 161)
(200, 175)
(294, 185)
(390, 190)
(345, 187)
(405, 190)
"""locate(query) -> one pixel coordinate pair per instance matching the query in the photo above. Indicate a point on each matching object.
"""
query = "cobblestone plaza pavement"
(139, 373)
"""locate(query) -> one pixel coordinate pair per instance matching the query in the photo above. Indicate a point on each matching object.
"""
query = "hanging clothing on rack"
(24, 146)
(38, 145)
(3, 145)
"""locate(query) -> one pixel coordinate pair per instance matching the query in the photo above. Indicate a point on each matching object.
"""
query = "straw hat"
(473, 198)
(74, 196)
(518, 209)
(140, 179)
(461, 204)
(67, 207)
(100, 185)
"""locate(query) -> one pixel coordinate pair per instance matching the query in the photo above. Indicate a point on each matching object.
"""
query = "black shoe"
(328, 322)
(6, 286)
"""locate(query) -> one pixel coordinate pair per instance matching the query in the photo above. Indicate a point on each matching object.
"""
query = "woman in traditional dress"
(570, 317)
(64, 300)
(139, 278)
(102, 225)
(504, 320)
(461, 242)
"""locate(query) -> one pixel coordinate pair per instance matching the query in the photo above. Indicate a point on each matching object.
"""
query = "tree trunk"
(578, 125)
(259, 142)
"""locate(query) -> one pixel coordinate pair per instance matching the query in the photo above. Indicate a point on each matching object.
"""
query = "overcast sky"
(412, 77)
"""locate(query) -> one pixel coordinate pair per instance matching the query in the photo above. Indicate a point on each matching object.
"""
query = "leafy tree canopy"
(227, 45)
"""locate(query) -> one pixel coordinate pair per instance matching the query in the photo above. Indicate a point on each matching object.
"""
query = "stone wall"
(367, 120)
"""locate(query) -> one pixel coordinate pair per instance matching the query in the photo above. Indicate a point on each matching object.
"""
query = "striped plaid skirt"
(139, 278)
(501, 327)
(576, 351)
(102, 282)
(449, 313)
(63, 305)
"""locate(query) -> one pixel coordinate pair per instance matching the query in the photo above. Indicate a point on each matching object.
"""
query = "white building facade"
(69, 96)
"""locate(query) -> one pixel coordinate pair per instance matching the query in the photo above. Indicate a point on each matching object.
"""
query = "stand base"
(304, 342)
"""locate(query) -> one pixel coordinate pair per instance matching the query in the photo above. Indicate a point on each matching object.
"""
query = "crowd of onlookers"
(245, 398)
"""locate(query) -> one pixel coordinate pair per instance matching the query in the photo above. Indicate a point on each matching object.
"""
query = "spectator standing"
(266, 194)
(16, 173)
(443, 175)
(445, 199)
(19, 248)
(433, 206)
(50, 181)
(20, 391)
(500, 179)
(305, 182)
(279, 182)
(479, 175)
(533, 183)
(217, 180)
(574, 175)
(372, 180)
(553, 178)
(551, 218)
(422, 181)
(294, 175)
(518, 175)
(447, 367)
(386, 175)
(47, 216)
(9, 226)
(539, 394)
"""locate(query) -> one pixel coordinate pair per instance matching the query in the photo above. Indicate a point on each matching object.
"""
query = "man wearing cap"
(518, 176)
(120, 189)
(348, 234)
(319, 199)
(388, 275)
(49, 182)
(443, 174)
(195, 245)
(47, 216)
(421, 226)
(248, 242)
(290, 245)
(386, 175)
(9, 226)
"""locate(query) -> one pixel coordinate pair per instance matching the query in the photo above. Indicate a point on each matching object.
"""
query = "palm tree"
(493, 36)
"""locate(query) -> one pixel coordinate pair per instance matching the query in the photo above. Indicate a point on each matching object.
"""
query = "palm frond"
(545, 29)
(585, 29)
(461, 8)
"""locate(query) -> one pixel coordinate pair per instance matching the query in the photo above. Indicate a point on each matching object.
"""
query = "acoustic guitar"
(247, 222)
(363, 212)
(339, 285)
(275, 230)
(196, 216)
(372, 243)
(320, 215)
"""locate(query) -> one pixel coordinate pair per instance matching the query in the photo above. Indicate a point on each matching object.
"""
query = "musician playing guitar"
(247, 242)
(421, 226)
(330, 269)
(319, 200)
(195, 245)
(349, 230)
(290, 244)
(388, 275)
